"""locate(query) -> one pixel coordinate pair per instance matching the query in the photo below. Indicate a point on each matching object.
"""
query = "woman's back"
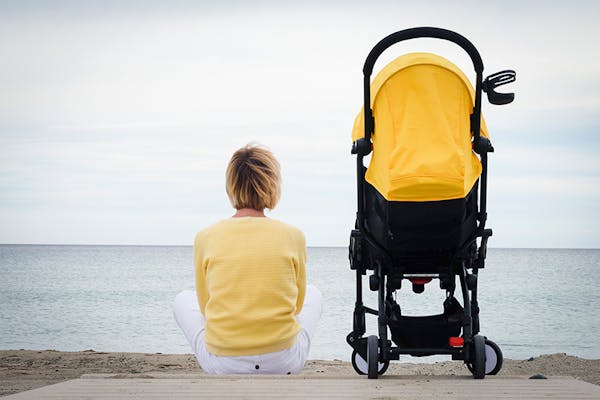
(250, 280)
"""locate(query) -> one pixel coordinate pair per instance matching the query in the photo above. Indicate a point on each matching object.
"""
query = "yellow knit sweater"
(251, 281)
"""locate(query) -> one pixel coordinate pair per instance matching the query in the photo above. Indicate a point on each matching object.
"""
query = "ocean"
(118, 298)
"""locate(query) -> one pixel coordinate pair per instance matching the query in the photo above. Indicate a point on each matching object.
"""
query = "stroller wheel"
(493, 359)
(361, 367)
(478, 366)
(373, 357)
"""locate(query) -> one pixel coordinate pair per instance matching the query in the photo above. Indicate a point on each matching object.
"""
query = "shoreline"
(22, 370)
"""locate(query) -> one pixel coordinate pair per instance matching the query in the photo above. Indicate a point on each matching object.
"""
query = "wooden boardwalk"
(188, 386)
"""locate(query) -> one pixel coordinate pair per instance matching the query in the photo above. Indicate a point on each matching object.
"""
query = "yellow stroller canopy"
(422, 142)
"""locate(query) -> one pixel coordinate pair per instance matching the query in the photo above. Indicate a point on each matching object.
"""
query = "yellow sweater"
(251, 281)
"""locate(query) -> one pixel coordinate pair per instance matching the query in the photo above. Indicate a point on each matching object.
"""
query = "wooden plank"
(267, 387)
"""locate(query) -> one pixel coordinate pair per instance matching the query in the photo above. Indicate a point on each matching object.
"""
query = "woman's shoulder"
(286, 227)
(231, 225)
(212, 229)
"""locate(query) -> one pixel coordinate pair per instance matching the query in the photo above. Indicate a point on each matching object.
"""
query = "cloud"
(132, 110)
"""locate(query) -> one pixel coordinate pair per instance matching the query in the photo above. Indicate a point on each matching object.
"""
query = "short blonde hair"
(253, 178)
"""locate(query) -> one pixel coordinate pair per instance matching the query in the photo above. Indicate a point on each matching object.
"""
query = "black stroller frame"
(429, 335)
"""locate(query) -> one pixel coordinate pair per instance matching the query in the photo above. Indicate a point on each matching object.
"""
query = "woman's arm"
(301, 274)
(200, 273)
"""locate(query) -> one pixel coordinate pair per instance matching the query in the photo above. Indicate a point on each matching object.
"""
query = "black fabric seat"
(420, 226)
(421, 237)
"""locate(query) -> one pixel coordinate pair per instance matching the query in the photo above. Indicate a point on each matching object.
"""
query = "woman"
(252, 311)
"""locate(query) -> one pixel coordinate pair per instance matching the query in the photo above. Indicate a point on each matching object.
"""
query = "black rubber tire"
(372, 357)
(478, 357)
(383, 368)
(493, 347)
(499, 357)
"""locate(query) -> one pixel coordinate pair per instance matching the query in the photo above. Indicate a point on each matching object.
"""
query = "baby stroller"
(422, 203)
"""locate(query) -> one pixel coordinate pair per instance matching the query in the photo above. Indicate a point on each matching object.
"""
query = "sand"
(22, 370)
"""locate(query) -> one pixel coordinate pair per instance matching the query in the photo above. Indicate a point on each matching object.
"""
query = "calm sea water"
(118, 298)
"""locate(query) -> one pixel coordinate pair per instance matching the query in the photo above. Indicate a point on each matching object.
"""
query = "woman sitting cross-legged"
(252, 311)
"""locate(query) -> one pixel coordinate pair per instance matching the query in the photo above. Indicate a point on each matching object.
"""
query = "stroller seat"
(422, 203)
(413, 226)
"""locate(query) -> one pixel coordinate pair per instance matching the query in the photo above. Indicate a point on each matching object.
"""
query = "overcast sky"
(117, 118)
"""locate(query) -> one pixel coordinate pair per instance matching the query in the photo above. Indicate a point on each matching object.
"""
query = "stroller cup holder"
(498, 79)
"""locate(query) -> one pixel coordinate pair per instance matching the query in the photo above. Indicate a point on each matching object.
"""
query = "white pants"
(289, 361)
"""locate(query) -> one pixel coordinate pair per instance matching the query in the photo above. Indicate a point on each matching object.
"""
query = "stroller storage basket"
(426, 332)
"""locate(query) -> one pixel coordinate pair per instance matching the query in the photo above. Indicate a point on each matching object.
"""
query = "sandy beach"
(22, 370)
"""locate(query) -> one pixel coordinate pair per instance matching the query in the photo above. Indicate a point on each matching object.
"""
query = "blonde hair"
(253, 178)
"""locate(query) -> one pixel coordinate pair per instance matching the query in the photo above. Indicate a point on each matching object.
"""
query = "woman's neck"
(248, 212)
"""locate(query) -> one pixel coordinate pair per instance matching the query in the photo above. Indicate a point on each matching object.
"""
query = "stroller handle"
(415, 33)
(422, 32)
